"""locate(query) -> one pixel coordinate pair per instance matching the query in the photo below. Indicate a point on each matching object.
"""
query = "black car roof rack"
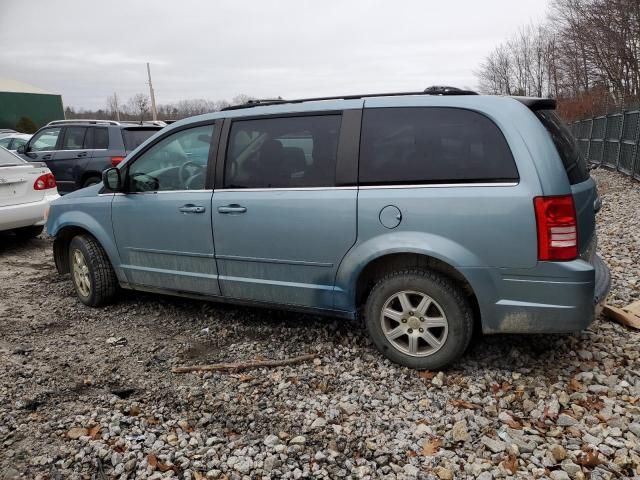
(435, 90)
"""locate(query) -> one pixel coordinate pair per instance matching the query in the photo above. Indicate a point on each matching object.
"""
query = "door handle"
(46, 157)
(82, 154)
(233, 208)
(190, 208)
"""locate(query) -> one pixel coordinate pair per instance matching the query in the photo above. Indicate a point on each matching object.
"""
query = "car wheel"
(93, 277)
(419, 319)
(26, 233)
(91, 181)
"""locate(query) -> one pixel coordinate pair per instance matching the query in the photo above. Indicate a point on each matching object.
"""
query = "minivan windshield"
(574, 162)
(8, 159)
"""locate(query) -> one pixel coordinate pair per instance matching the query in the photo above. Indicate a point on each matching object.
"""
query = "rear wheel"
(26, 233)
(93, 277)
(419, 319)
(91, 181)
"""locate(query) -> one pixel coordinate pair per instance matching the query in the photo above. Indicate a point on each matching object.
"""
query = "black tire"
(447, 297)
(26, 233)
(103, 283)
(91, 181)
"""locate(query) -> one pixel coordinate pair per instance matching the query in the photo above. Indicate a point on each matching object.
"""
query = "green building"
(19, 100)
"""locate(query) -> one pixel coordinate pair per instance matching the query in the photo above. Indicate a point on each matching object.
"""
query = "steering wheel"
(184, 175)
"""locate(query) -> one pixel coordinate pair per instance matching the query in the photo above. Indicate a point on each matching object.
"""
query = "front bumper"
(554, 297)
(25, 214)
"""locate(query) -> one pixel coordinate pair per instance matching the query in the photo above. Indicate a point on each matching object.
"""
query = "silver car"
(26, 190)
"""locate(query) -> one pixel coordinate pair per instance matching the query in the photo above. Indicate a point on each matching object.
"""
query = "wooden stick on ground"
(217, 367)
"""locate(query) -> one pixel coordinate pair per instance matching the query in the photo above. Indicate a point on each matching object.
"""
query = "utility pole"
(154, 113)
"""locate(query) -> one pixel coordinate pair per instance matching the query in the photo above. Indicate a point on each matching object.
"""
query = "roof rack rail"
(157, 123)
(436, 90)
(82, 120)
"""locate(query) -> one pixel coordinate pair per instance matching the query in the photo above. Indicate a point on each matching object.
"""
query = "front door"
(42, 147)
(162, 225)
(281, 225)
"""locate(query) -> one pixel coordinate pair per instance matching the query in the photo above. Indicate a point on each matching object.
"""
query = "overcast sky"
(86, 50)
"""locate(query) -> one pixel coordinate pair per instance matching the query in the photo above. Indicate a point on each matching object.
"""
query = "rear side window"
(574, 162)
(134, 137)
(74, 138)
(284, 152)
(100, 138)
(418, 145)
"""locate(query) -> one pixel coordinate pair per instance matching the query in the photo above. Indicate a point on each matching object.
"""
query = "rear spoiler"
(535, 103)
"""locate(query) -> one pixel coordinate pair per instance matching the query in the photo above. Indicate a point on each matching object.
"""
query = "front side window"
(74, 138)
(177, 162)
(286, 152)
(45, 140)
(421, 145)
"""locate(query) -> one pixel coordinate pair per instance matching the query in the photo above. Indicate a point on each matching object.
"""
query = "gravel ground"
(88, 393)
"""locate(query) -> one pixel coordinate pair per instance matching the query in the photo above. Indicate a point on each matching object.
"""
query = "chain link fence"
(611, 140)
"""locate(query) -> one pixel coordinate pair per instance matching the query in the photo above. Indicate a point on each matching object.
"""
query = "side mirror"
(112, 179)
(22, 149)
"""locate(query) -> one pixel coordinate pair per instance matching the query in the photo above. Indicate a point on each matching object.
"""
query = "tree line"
(138, 108)
(586, 54)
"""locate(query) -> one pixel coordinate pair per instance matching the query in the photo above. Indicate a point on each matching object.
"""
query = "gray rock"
(559, 475)
(565, 420)
(496, 446)
(272, 441)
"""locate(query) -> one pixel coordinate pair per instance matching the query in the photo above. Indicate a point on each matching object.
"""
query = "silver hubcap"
(414, 323)
(81, 274)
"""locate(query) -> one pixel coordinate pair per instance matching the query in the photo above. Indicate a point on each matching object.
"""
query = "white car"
(26, 189)
(14, 140)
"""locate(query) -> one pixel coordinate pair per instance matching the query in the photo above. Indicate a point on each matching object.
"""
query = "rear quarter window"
(134, 137)
(566, 145)
(422, 145)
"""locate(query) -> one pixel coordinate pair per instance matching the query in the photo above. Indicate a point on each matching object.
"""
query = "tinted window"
(98, 138)
(4, 142)
(134, 137)
(283, 152)
(567, 147)
(45, 140)
(432, 145)
(177, 162)
(74, 138)
(7, 158)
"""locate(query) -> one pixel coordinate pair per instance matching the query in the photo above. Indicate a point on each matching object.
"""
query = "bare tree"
(113, 107)
(138, 105)
(586, 46)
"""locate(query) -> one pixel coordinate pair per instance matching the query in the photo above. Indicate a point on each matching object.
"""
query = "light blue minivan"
(431, 214)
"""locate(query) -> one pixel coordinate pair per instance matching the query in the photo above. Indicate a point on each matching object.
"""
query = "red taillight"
(557, 228)
(116, 160)
(44, 182)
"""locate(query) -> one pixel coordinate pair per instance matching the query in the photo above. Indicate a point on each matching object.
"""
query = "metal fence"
(611, 140)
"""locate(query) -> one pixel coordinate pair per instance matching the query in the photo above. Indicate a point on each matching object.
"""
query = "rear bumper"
(25, 214)
(553, 297)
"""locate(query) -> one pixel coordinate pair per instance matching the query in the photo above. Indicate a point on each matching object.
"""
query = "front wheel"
(419, 319)
(93, 277)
